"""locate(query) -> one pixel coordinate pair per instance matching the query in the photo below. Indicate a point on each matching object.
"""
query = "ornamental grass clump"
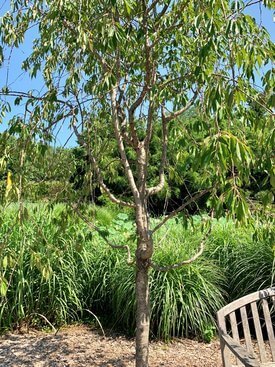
(183, 301)
(44, 264)
(56, 269)
(244, 254)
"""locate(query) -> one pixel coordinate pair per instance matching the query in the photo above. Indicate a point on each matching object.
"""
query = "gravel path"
(81, 346)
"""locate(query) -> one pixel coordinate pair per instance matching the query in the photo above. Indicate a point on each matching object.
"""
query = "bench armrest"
(240, 352)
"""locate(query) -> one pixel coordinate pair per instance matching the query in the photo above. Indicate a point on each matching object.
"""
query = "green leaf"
(1, 55)
(271, 101)
(5, 90)
(17, 101)
(3, 286)
(238, 152)
(267, 198)
(128, 7)
(240, 212)
(123, 216)
(5, 262)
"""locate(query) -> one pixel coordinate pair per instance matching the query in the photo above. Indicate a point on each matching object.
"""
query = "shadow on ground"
(63, 350)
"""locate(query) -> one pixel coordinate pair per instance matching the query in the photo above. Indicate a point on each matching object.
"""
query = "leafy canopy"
(160, 58)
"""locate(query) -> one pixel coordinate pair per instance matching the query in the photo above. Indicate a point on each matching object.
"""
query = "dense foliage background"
(65, 173)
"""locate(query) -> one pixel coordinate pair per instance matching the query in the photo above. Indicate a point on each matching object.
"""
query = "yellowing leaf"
(9, 183)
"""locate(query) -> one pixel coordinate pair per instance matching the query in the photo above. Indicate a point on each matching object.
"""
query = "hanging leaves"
(173, 56)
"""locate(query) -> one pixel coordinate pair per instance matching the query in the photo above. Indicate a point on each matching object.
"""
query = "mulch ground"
(82, 346)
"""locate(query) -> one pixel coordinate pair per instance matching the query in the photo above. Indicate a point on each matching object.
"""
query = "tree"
(129, 69)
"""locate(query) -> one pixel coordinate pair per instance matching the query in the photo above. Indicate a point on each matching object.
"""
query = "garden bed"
(81, 346)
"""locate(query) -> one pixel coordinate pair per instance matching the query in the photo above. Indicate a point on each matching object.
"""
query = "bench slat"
(224, 349)
(256, 306)
(269, 327)
(235, 331)
(258, 330)
(235, 347)
(239, 303)
(246, 330)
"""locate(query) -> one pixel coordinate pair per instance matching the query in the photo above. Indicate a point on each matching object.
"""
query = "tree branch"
(235, 81)
(131, 113)
(149, 129)
(130, 140)
(163, 11)
(61, 117)
(180, 208)
(149, 71)
(184, 262)
(130, 261)
(119, 138)
(152, 6)
(30, 96)
(244, 7)
(159, 187)
(176, 114)
(98, 172)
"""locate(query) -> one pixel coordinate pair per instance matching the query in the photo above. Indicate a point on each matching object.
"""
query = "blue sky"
(11, 71)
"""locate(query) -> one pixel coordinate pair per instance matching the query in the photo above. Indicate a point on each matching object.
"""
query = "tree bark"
(143, 255)
(142, 313)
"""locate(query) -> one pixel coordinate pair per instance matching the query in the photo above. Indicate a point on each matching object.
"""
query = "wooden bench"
(243, 327)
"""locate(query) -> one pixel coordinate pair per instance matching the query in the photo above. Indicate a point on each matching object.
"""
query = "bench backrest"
(248, 321)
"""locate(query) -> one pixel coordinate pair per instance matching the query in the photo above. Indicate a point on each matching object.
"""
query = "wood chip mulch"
(81, 346)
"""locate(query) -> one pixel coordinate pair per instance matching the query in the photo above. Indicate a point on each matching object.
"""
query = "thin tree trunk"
(143, 255)
(142, 313)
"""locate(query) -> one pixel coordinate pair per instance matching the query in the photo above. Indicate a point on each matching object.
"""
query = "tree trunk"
(143, 255)
(142, 313)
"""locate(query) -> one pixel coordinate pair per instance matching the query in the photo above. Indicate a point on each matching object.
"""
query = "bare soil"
(82, 346)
